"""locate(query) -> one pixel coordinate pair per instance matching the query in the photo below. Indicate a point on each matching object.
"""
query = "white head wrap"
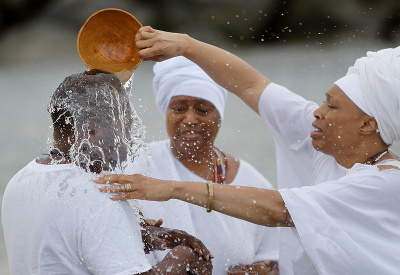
(373, 84)
(179, 76)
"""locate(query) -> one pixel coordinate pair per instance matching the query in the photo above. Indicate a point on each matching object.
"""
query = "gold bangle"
(210, 203)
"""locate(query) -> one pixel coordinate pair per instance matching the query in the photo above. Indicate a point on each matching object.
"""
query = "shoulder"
(158, 147)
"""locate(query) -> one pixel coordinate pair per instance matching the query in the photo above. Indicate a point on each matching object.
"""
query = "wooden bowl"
(107, 42)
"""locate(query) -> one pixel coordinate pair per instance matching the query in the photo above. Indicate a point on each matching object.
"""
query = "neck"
(361, 156)
(200, 162)
(58, 149)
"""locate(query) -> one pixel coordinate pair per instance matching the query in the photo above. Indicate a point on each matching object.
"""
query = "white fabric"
(56, 221)
(230, 240)
(350, 225)
(350, 84)
(391, 162)
(179, 76)
(380, 83)
(289, 118)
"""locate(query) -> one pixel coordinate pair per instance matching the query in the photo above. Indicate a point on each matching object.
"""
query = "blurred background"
(304, 45)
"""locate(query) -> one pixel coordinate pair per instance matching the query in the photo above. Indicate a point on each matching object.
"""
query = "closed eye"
(203, 111)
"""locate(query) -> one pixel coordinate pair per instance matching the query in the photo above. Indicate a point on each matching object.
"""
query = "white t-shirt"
(56, 221)
(230, 240)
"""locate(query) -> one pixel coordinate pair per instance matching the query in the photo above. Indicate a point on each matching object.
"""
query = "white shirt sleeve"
(111, 242)
(348, 226)
(289, 118)
(288, 115)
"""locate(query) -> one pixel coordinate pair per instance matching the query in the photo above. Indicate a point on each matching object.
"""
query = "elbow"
(277, 215)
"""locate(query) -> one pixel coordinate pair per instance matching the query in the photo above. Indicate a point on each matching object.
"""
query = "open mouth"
(190, 134)
(316, 132)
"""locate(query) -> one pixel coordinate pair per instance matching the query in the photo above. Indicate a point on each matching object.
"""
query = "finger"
(113, 189)
(151, 222)
(202, 250)
(159, 222)
(115, 178)
(122, 197)
(164, 245)
(146, 29)
(144, 35)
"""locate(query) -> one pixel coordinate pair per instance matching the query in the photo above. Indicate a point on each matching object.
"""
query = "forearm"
(260, 206)
(228, 70)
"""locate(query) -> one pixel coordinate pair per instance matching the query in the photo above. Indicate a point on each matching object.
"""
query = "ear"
(369, 126)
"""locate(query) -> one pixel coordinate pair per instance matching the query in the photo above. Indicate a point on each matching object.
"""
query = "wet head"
(92, 118)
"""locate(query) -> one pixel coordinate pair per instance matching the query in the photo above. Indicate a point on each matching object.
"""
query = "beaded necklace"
(376, 157)
(219, 167)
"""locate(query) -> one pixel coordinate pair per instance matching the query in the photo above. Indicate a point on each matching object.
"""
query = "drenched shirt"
(56, 221)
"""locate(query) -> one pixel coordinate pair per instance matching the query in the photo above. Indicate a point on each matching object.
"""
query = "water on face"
(107, 131)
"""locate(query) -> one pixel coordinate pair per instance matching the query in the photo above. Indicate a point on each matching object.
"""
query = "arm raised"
(225, 68)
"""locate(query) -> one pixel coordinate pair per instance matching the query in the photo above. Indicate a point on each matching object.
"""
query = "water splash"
(95, 123)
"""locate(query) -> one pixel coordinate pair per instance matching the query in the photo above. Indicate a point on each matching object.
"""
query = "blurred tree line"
(250, 21)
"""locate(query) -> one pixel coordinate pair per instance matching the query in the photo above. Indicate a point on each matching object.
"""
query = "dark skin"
(192, 126)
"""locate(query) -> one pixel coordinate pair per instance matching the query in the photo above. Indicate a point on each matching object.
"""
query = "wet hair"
(73, 89)
(89, 102)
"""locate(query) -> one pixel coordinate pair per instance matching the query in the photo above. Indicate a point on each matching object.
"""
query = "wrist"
(176, 189)
(187, 46)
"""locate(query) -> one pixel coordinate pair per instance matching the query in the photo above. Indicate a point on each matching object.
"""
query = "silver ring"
(128, 187)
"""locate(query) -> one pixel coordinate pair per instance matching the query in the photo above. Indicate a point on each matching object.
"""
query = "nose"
(319, 113)
(190, 117)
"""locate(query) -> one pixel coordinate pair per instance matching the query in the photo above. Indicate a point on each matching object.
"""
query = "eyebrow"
(178, 101)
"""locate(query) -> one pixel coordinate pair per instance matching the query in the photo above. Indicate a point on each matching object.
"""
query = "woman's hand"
(136, 187)
(159, 45)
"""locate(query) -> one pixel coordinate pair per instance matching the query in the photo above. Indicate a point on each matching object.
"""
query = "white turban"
(179, 76)
(373, 84)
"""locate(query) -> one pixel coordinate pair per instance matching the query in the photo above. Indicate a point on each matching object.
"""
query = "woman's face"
(337, 124)
(192, 124)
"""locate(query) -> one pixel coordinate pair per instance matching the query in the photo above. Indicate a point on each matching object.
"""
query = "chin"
(319, 146)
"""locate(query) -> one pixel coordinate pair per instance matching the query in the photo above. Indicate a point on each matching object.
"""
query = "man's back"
(57, 222)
